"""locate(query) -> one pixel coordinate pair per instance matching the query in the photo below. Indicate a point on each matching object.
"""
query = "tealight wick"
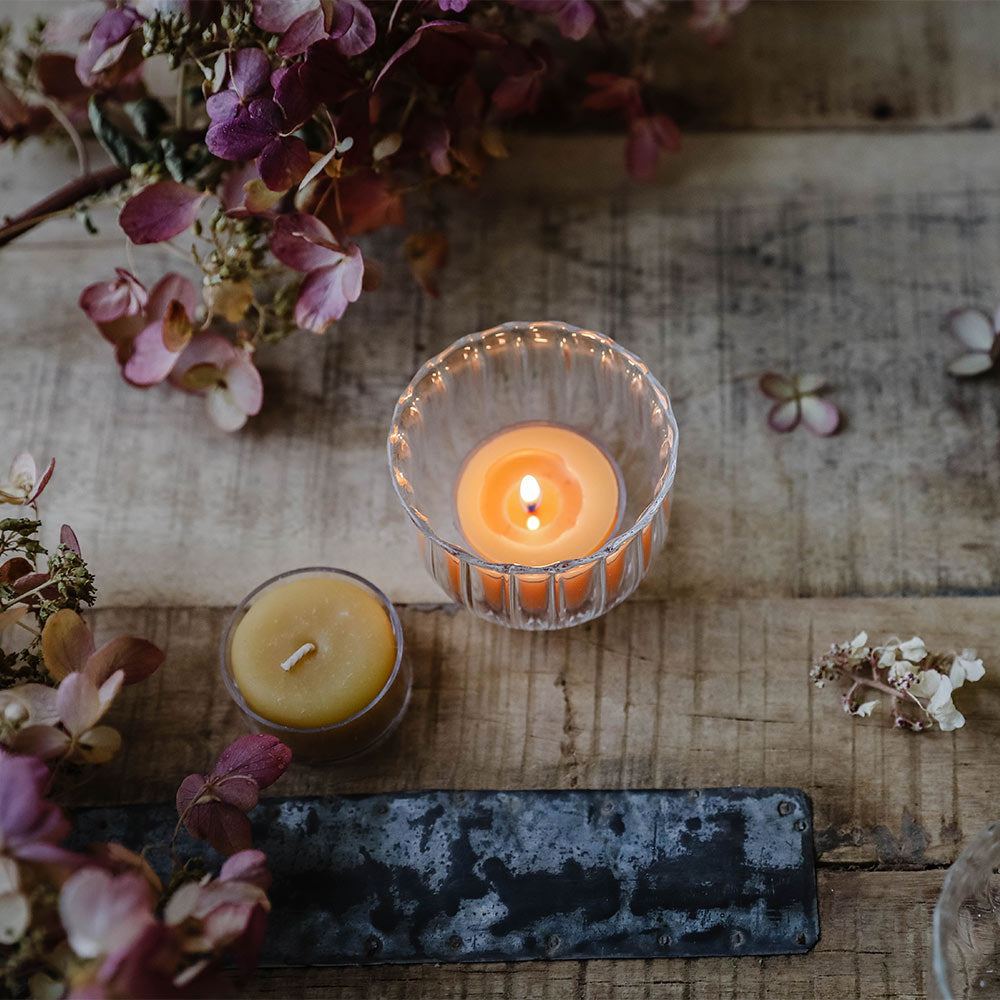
(531, 493)
(304, 650)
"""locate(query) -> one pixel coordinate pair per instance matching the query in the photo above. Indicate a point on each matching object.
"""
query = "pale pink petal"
(820, 415)
(575, 18)
(160, 212)
(360, 35)
(303, 242)
(40, 741)
(151, 361)
(15, 915)
(244, 384)
(171, 287)
(107, 301)
(973, 363)
(321, 299)
(101, 912)
(973, 328)
(79, 703)
(109, 689)
(223, 410)
(204, 349)
(247, 866)
(22, 472)
(777, 386)
(784, 417)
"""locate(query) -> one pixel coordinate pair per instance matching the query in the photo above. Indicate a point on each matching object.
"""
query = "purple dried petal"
(784, 417)
(248, 71)
(305, 30)
(819, 415)
(42, 481)
(243, 137)
(575, 18)
(436, 140)
(284, 162)
(326, 293)
(973, 328)
(328, 74)
(472, 37)
(360, 35)
(224, 106)
(67, 537)
(136, 658)
(160, 212)
(292, 94)
(278, 16)
(259, 756)
(107, 301)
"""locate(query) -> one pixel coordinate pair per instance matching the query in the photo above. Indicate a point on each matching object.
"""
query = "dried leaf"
(67, 643)
(136, 658)
(259, 756)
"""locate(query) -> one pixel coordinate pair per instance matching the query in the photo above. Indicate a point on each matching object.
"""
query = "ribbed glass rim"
(234, 690)
(939, 960)
(613, 544)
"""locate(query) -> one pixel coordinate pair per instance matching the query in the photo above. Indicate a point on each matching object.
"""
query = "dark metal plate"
(502, 876)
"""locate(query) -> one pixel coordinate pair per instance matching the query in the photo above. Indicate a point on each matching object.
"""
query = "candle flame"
(533, 523)
(531, 493)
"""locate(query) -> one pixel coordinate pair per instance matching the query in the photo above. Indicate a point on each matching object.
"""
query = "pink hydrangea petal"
(247, 866)
(106, 301)
(321, 299)
(67, 537)
(223, 106)
(101, 912)
(151, 361)
(206, 348)
(171, 287)
(160, 212)
(973, 328)
(784, 417)
(303, 242)
(777, 386)
(820, 415)
(244, 384)
(575, 18)
(79, 704)
(973, 363)
(41, 741)
(223, 410)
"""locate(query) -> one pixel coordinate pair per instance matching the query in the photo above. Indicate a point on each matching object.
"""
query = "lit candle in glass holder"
(316, 657)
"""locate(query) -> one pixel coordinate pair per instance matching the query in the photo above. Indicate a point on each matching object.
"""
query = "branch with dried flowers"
(919, 684)
(297, 129)
(105, 924)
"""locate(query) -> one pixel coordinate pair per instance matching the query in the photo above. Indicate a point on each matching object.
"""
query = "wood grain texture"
(875, 943)
(656, 694)
(796, 253)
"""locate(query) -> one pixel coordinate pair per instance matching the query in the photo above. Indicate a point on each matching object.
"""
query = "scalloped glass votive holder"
(522, 373)
(349, 737)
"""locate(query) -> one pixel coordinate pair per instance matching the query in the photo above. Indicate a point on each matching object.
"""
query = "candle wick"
(304, 650)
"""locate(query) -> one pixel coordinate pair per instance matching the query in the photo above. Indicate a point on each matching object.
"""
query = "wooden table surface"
(838, 194)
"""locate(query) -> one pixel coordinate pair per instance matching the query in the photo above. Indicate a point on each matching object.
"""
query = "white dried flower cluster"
(920, 684)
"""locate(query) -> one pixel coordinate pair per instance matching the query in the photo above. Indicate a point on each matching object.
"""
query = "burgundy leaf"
(473, 37)
(328, 74)
(293, 95)
(136, 658)
(42, 482)
(261, 757)
(614, 92)
(189, 790)
(160, 212)
(238, 790)
(67, 537)
(224, 826)
(284, 162)
(14, 569)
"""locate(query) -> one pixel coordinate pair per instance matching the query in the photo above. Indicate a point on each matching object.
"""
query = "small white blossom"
(966, 667)
(942, 710)
(867, 708)
(913, 651)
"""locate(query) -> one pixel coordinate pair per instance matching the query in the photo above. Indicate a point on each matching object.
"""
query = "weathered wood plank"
(794, 253)
(656, 694)
(876, 935)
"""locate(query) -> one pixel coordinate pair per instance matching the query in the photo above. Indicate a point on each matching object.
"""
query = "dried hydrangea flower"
(24, 485)
(799, 399)
(920, 684)
(981, 334)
